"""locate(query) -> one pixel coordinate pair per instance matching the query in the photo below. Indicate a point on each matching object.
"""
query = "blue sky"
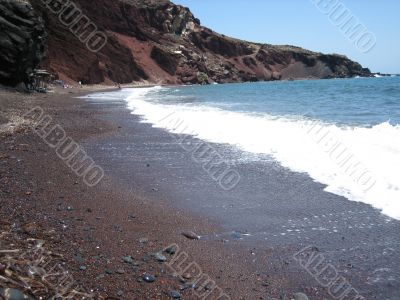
(300, 23)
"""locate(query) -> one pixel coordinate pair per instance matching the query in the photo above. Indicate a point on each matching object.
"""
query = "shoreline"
(141, 207)
(94, 229)
(274, 211)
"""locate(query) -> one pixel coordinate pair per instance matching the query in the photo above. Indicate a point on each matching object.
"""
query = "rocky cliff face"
(22, 40)
(159, 42)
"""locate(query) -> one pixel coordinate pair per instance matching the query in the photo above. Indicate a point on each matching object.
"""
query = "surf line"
(341, 155)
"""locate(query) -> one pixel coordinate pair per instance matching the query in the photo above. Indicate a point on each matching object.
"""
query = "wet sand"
(155, 190)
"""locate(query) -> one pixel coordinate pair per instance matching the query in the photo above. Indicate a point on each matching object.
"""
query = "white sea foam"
(361, 164)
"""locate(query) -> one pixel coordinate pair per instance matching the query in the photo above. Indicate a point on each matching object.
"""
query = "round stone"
(148, 278)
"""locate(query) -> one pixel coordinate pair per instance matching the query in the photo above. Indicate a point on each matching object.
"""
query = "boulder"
(22, 41)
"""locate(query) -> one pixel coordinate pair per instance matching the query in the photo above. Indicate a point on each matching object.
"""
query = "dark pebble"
(82, 268)
(174, 295)
(118, 228)
(148, 278)
(191, 235)
(159, 257)
(171, 250)
(186, 286)
(109, 272)
(128, 259)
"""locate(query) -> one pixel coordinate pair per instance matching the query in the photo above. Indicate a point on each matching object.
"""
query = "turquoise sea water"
(358, 101)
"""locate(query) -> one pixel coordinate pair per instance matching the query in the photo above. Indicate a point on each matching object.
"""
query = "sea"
(343, 133)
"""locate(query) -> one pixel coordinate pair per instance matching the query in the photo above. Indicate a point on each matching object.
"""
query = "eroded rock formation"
(22, 41)
(159, 42)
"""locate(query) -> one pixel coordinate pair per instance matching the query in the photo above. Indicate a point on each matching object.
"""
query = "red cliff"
(160, 42)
